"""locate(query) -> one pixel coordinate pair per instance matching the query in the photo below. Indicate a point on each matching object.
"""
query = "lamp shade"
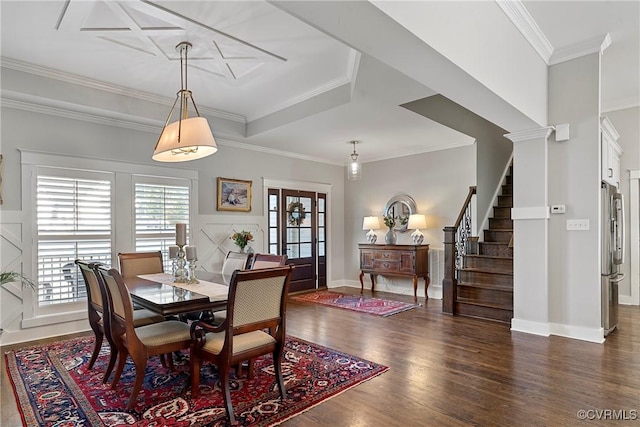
(370, 223)
(196, 141)
(417, 222)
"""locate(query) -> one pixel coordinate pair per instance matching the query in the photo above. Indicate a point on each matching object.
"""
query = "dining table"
(159, 293)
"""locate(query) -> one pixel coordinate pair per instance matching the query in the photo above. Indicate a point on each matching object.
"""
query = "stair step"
(487, 286)
(489, 297)
(507, 190)
(489, 262)
(482, 311)
(500, 223)
(496, 235)
(502, 212)
(505, 201)
(509, 178)
(477, 275)
(495, 249)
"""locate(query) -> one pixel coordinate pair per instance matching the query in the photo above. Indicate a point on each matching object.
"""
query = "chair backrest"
(235, 261)
(257, 300)
(91, 282)
(120, 304)
(135, 263)
(268, 261)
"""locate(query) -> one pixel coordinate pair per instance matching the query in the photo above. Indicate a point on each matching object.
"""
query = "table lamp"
(416, 222)
(371, 223)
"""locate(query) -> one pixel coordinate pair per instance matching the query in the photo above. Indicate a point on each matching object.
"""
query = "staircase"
(485, 282)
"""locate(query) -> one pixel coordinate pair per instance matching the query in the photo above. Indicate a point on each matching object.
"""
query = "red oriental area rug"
(53, 387)
(380, 307)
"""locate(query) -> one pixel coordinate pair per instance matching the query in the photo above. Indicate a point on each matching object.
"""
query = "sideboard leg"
(361, 282)
(427, 281)
(415, 288)
(373, 281)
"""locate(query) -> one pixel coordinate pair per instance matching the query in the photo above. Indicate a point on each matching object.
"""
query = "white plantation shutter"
(73, 221)
(158, 208)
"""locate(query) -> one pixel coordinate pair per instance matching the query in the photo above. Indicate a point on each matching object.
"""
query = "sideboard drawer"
(387, 255)
(387, 266)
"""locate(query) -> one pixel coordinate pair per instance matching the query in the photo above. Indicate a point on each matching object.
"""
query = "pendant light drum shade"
(196, 141)
(188, 138)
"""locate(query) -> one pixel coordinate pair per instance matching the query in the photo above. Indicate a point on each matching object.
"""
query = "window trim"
(122, 196)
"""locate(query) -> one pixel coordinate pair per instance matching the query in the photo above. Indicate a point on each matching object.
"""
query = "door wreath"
(296, 213)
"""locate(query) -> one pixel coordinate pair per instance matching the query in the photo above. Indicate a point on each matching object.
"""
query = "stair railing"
(457, 242)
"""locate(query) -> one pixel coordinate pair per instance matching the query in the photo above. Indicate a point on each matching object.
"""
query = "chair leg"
(226, 392)
(96, 349)
(277, 363)
(112, 363)
(195, 373)
(122, 359)
(250, 369)
(141, 366)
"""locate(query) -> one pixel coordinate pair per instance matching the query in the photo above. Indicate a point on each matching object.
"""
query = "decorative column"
(530, 214)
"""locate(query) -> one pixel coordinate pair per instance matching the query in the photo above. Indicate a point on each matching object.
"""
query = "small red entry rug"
(53, 387)
(380, 307)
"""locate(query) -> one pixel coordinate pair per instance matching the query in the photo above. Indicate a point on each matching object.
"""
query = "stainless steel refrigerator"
(612, 253)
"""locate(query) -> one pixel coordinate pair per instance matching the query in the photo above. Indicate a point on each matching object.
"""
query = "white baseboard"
(626, 300)
(595, 335)
(528, 327)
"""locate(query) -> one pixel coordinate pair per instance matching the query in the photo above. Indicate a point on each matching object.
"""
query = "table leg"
(427, 281)
(361, 282)
(373, 281)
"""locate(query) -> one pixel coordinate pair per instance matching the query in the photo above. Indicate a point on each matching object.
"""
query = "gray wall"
(437, 181)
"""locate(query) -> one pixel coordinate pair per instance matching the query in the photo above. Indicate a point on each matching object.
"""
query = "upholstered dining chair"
(257, 302)
(268, 261)
(98, 313)
(141, 342)
(136, 263)
(235, 261)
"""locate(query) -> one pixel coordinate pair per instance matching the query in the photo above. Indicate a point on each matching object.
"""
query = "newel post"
(449, 282)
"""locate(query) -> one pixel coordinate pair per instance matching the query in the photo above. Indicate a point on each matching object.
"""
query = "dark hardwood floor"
(454, 371)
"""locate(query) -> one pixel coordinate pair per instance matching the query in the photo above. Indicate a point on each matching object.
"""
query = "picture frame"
(234, 195)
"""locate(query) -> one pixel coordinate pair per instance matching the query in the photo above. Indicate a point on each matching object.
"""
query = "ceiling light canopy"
(355, 169)
(189, 138)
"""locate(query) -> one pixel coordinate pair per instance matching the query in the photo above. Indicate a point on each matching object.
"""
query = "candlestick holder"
(181, 273)
(192, 273)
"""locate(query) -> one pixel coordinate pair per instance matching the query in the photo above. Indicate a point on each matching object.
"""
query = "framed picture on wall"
(234, 195)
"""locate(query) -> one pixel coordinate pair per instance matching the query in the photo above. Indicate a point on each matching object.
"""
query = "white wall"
(438, 181)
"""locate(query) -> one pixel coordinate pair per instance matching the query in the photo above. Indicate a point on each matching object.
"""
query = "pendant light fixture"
(188, 138)
(354, 171)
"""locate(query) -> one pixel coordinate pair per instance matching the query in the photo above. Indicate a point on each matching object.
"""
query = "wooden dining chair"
(138, 342)
(98, 314)
(268, 261)
(136, 263)
(256, 303)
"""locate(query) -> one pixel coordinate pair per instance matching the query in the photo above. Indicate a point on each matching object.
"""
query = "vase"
(391, 237)
(241, 249)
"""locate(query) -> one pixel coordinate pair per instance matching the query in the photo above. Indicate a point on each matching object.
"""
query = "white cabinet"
(610, 152)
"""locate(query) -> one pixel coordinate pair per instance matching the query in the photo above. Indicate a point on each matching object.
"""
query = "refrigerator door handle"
(618, 278)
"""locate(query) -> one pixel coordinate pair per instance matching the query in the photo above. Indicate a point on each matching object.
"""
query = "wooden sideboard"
(395, 260)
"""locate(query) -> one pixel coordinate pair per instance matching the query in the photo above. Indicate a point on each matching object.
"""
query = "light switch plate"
(558, 209)
(578, 225)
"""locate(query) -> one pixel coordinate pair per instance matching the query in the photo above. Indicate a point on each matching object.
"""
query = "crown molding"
(530, 134)
(75, 79)
(620, 104)
(586, 47)
(524, 22)
(252, 147)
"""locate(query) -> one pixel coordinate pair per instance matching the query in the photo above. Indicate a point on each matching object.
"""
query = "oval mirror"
(400, 207)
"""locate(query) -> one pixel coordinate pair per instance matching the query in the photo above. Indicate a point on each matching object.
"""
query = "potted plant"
(390, 221)
(7, 277)
(242, 239)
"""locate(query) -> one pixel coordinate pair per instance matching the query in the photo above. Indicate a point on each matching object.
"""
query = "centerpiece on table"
(390, 221)
(242, 239)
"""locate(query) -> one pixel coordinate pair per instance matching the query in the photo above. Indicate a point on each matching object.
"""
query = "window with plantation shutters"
(158, 208)
(73, 214)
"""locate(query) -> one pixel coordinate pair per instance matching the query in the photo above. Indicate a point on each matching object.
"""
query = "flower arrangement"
(242, 238)
(391, 221)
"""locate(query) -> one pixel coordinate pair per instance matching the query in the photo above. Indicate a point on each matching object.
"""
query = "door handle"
(618, 278)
